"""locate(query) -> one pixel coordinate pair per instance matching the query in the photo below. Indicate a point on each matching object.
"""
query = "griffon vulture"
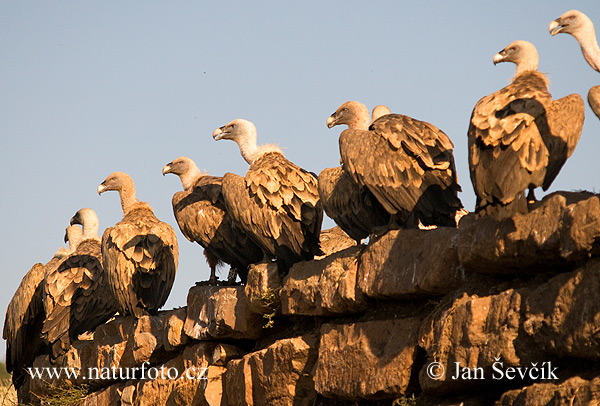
(352, 206)
(519, 138)
(580, 26)
(202, 217)
(407, 165)
(139, 254)
(277, 203)
(380, 111)
(77, 295)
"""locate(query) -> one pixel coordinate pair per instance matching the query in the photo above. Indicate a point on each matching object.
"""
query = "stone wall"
(503, 312)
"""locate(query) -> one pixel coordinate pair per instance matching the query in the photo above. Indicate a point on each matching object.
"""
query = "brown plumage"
(519, 138)
(277, 203)
(139, 254)
(202, 217)
(23, 324)
(77, 295)
(352, 206)
(580, 26)
(407, 165)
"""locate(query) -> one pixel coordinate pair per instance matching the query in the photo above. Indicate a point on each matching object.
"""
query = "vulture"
(23, 324)
(277, 203)
(352, 206)
(405, 163)
(139, 254)
(202, 217)
(580, 26)
(77, 297)
(25, 316)
(379, 111)
(519, 138)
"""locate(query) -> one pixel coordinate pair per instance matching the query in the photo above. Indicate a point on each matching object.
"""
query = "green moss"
(271, 301)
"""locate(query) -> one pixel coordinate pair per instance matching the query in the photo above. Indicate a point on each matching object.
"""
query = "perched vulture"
(277, 203)
(77, 295)
(202, 217)
(407, 165)
(139, 254)
(380, 111)
(352, 206)
(519, 138)
(23, 324)
(580, 26)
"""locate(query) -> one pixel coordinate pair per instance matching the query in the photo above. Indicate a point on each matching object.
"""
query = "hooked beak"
(167, 168)
(555, 27)
(101, 188)
(219, 134)
(331, 121)
(66, 239)
(74, 220)
(499, 57)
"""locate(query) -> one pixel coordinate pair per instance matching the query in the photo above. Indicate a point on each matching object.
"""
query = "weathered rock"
(564, 227)
(324, 287)
(573, 392)
(223, 353)
(333, 240)
(173, 334)
(107, 396)
(411, 262)
(262, 288)
(279, 375)
(366, 360)
(220, 312)
(145, 342)
(474, 332)
(188, 379)
(563, 315)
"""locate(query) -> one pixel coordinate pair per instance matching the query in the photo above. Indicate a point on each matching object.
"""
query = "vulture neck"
(527, 64)
(248, 148)
(190, 177)
(360, 123)
(589, 46)
(90, 228)
(128, 198)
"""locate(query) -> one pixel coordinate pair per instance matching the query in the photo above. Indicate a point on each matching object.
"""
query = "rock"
(107, 396)
(333, 240)
(563, 315)
(223, 353)
(220, 312)
(279, 375)
(411, 262)
(474, 332)
(574, 392)
(188, 379)
(366, 360)
(262, 288)
(563, 228)
(173, 334)
(324, 287)
(145, 343)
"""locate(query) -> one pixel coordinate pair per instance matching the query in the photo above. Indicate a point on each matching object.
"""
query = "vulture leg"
(213, 261)
(232, 276)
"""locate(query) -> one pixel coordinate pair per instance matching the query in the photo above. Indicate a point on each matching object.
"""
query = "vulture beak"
(101, 188)
(219, 133)
(331, 121)
(74, 220)
(66, 239)
(555, 27)
(499, 57)
(167, 168)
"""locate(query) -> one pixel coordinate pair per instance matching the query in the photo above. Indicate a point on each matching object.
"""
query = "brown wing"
(506, 151)
(594, 100)
(351, 206)
(140, 255)
(202, 218)
(408, 166)
(78, 297)
(23, 323)
(561, 133)
(278, 205)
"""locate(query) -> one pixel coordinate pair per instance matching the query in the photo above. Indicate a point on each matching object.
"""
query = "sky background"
(89, 88)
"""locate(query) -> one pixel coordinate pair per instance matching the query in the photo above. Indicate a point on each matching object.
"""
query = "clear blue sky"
(88, 88)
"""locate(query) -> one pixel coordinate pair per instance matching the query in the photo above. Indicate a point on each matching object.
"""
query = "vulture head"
(380, 111)
(354, 114)
(122, 183)
(185, 168)
(88, 219)
(580, 26)
(243, 132)
(521, 53)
